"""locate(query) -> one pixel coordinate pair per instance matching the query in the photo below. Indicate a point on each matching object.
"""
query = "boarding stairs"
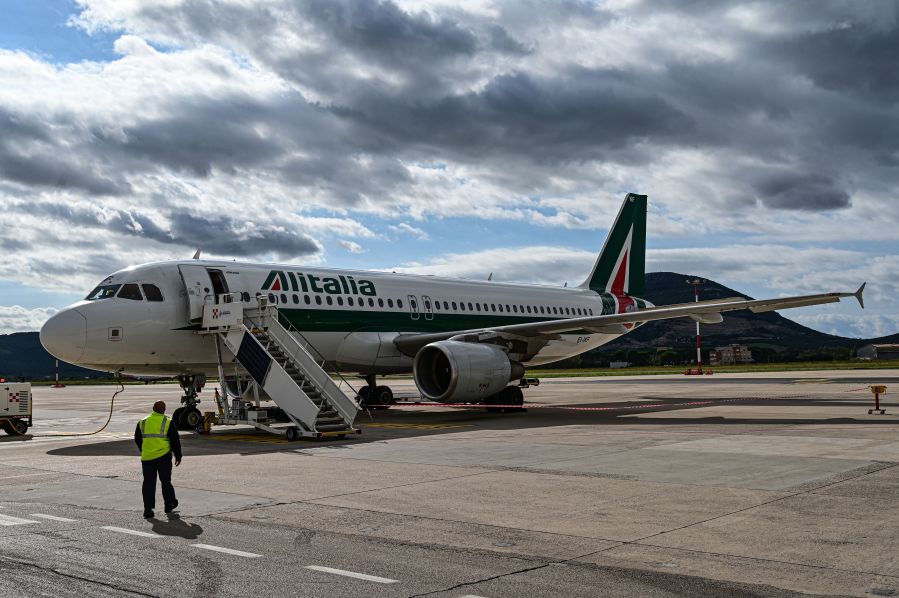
(282, 365)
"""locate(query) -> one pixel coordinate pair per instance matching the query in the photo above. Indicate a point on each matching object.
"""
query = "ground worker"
(158, 440)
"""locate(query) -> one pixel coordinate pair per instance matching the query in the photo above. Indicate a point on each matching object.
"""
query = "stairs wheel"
(292, 434)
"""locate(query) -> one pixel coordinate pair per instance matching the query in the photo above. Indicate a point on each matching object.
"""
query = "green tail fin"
(621, 265)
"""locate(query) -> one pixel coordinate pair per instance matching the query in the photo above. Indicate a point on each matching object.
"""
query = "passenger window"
(380, 303)
(461, 306)
(318, 299)
(152, 292)
(470, 308)
(500, 308)
(454, 305)
(492, 307)
(330, 300)
(591, 311)
(306, 299)
(390, 303)
(529, 309)
(427, 304)
(350, 301)
(399, 303)
(130, 291)
(446, 305)
(296, 299)
(477, 307)
(515, 308)
(371, 302)
(284, 298)
(340, 301)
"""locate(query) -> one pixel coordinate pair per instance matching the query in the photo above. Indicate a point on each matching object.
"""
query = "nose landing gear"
(188, 417)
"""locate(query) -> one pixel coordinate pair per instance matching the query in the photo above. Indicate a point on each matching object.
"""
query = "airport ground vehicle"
(15, 407)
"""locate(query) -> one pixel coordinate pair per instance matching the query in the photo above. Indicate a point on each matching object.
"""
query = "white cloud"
(15, 318)
(408, 229)
(351, 246)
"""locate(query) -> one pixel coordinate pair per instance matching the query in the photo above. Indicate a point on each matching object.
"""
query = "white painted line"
(10, 520)
(352, 574)
(133, 532)
(471, 596)
(53, 517)
(249, 555)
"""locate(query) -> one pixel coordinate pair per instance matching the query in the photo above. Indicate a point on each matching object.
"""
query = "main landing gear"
(188, 417)
(511, 396)
(372, 396)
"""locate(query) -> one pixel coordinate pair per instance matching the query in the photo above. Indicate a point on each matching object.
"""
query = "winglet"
(197, 255)
(858, 295)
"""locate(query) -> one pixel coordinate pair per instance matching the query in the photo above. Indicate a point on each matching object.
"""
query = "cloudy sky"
(456, 138)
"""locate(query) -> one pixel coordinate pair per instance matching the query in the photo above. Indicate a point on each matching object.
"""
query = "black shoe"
(148, 513)
(171, 507)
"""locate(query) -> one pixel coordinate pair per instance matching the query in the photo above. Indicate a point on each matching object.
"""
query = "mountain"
(771, 336)
(22, 355)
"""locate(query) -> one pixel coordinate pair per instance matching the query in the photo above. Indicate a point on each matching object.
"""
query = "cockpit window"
(104, 291)
(130, 291)
(152, 292)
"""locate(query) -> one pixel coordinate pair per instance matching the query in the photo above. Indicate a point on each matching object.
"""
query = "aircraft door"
(198, 285)
(413, 307)
(428, 308)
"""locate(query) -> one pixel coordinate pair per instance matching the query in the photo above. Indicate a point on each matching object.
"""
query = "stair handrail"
(265, 310)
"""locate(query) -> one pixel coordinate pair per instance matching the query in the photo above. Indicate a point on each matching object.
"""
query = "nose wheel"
(188, 417)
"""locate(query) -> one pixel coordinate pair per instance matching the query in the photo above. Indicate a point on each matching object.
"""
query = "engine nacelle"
(457, 372)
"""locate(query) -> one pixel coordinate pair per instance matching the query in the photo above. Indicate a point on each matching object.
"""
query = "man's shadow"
(173, 525)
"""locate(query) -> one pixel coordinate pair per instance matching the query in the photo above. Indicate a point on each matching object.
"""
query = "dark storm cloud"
(226, 236)
(220, 235)
(790, 191)
(582, 115)
(30, 154)
(394, 87)
(856, 58)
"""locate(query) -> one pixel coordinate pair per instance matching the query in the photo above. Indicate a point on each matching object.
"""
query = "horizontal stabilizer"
(859, 294)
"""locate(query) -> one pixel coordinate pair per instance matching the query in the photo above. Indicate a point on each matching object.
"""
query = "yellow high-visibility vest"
(154, 429)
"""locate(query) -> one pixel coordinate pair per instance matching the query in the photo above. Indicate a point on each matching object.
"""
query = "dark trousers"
(163, 468)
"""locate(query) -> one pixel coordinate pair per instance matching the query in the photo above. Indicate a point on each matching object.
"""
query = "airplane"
(464, 341)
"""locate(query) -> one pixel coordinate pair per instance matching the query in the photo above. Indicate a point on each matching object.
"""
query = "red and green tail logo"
(621, 266)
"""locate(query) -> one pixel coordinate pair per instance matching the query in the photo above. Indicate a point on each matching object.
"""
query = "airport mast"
(696, 282)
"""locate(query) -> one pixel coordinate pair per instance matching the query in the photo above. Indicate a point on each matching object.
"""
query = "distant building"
(619, 364)
(730, 355)
(878, 352)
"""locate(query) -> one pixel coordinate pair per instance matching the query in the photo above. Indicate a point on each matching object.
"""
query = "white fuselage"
(350, 317)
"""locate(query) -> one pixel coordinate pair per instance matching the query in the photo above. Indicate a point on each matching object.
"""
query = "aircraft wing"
(705, 311)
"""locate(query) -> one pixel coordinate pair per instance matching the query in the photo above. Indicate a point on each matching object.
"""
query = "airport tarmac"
(726, 485)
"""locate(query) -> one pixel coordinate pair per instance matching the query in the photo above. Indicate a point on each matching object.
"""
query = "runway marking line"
(345, 573)
(133, 532)
(249, 555)
(7, 520)
(53, 518)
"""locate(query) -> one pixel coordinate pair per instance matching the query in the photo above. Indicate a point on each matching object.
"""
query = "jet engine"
(459, 372)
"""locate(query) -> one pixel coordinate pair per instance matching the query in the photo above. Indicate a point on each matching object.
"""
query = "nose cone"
(65, 334)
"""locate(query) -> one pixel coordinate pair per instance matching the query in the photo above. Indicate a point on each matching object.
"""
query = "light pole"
(696, 282)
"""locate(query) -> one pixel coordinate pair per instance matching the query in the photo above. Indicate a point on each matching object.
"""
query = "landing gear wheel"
(383, 397)
(364, 397)
(176, 417)
(292, 434)
(190, 419)
(510, 395)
